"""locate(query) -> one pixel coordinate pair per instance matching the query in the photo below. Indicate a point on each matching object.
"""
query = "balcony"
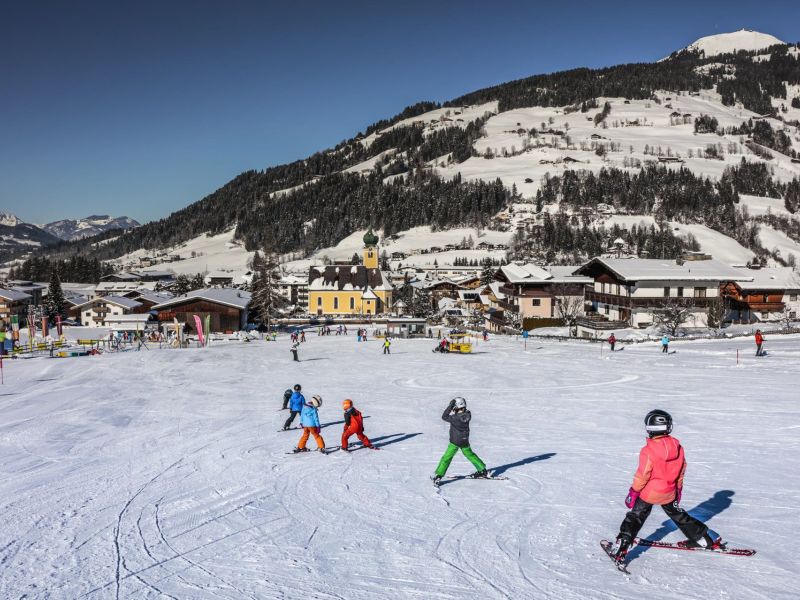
(646, 302)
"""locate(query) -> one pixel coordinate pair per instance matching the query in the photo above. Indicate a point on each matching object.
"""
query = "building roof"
(369, 295)
(654, 269)
(131, 318)
(775, 278)
(151, 296)
(531, 273)
(347, 278)
(13, 295)
(121, 301)
(225, 296)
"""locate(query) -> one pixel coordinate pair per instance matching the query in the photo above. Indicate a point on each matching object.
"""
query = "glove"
(632, 497)
(678, 494)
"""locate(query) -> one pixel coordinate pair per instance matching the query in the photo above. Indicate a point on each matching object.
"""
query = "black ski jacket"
(459, 426)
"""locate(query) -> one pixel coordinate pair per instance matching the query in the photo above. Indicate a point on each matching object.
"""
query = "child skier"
(309, 419)
(287, 395)
(659, 480)
(296, 402)
(353, 425)
(459, 417)
(665, 344)
(386, 345)
(612, 341)
(294, 352)
(759, 342)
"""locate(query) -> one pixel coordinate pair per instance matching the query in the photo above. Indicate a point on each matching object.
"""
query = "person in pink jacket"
(659, 480)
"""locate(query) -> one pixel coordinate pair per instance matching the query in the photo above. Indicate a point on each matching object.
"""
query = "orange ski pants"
(311, 431)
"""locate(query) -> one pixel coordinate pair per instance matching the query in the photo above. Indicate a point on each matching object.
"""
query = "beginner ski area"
(161, 474)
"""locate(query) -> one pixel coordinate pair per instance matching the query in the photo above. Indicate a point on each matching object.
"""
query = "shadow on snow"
(503, 468)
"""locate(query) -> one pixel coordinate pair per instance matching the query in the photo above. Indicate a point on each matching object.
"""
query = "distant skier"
(353, 425)
(612, 341)
(659, 480)
(296, 402)
(287, 395)
(665, 344)
(387, 346)
(303, 336)
(294, 352)
(459, 417)
(759, 342)
(309, 420)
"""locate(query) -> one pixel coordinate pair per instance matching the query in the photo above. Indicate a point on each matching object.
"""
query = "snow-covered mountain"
(9, 220)
(17, 236)
(73, 229)
(724, 43)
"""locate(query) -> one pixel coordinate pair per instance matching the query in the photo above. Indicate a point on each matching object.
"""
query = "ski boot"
(620, 549)
(296, 450)
(323, 450)
(479, 474)
(436, 480)
(345, 448)
(710, 541)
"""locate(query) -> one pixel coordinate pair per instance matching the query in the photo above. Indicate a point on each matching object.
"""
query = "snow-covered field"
(162, 473)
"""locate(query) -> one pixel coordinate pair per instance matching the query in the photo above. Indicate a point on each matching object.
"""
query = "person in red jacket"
(612, 340)
(759, 342)
(353, 425)
(659, 480)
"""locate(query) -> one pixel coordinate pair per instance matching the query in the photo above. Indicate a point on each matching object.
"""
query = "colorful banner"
(178, 332)
(207, 328)
(199, 325)
(45, 331)
(15, 328)
(31, 329)
(58, 326)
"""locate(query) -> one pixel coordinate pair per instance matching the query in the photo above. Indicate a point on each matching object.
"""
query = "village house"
(96, 312)
(435, 290)
(767, 294)
(535, 292)
(632, 290)
(33, 289)
(344, 289)
(227, 308)
(294, 289)
(12, 303)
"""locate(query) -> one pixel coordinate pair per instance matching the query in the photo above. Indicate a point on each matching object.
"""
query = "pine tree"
(487, 274)
(55, 304)
(266, 298)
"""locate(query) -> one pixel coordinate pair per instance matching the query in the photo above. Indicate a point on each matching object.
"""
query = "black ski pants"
(691, 527)
(292, 415)
(294, 354)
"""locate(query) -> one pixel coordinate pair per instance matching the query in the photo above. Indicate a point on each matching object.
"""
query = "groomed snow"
(162, 473)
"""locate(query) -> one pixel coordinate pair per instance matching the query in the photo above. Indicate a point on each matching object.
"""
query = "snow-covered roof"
(654, 269)
(226, 296)
(151, 296)
(131, 318)
(13, 295)
(121, 301)
(369, 295)
(775, 278)
(531, 273)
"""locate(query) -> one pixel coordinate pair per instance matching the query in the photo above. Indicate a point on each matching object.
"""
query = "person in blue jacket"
(296, 403)
(665, 344)
(309, 420)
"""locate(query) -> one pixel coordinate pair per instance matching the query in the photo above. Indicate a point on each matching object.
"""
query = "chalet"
(96, 312)
(13, 303)
(534, 292)
(72, 302)
(295, 289)
(121, 288)
(436, 290)
(122, 276)
(670, 159)
(33, 289)
(399, 255)
(633, 290)
(147, 299)
(483, 246)
(762, 295)
(227, 308)
(351, 289)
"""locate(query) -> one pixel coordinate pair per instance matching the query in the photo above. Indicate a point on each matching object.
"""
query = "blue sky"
(142, 108)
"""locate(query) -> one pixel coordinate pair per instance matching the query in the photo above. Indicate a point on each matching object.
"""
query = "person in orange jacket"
(353, 425)
(659, 480)
(759, 342)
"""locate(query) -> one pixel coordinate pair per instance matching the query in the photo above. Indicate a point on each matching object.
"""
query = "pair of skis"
(622, 564)
(332, 449)
(460, 477)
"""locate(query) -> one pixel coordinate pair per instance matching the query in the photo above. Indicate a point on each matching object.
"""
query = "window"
(680, 292)
(792, 297)
(792, 315)
(765, 315)
(666, 292)
(352, 303)
(335, 303)
(536, 302)
(605, 309)
(319, 300)
(700, 292)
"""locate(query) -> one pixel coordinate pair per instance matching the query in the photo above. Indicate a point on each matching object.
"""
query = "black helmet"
(658, 422)
(296, 387)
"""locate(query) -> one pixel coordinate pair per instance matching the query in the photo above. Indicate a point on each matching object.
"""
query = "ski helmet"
(316, 401)
(297, 387)
(658, 422)
(347, 404)
(460, 403)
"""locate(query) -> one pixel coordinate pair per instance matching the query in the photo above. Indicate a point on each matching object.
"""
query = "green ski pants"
(451, 451)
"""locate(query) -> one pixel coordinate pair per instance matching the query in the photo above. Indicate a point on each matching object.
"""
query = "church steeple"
(370, 250)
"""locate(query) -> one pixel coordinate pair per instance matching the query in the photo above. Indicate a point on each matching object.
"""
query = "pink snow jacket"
(661, 469)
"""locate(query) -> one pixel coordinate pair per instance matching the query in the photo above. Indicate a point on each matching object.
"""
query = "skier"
(459, 417)
(286, 397)
(296, 402)
(665, 344)
(353, 425)
(303, 336)
(759, 342)
(294, 351)
(612, 340)
(659, 480)
(386, 346)
(309, 419)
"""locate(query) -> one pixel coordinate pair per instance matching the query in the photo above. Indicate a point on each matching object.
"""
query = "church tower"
(370, 250)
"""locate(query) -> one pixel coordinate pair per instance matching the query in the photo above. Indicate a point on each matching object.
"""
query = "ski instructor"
(459, 417)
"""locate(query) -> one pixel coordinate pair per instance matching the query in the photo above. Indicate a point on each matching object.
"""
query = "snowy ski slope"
(161, 474)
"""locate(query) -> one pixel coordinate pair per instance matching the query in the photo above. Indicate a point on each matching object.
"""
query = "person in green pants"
(459, 417)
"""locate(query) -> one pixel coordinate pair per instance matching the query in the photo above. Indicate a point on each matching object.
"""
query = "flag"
(207, 328)
(58, 326)
(45, 331)
(15, 328)
(199, 325)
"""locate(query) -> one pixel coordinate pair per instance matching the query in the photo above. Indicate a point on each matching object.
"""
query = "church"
(346, 289)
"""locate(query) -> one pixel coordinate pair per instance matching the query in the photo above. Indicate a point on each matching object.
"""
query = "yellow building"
(344, 289)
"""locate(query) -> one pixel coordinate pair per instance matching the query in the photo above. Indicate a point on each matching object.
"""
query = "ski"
(290, 429)
(621, 565)
(460, 477)
(328, 451)
(723, 549)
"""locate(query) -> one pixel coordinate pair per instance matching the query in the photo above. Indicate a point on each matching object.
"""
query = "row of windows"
(336, 303)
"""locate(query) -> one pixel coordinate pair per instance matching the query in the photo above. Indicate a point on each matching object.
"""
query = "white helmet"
(316, 401)
(459, 403)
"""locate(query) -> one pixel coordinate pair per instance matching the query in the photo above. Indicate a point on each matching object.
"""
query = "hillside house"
(12, 303)
(763, 295)
(227, 308)
(96, 312)
(533, 291)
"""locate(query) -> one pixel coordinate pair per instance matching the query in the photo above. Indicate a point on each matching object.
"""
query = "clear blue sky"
(144, 108)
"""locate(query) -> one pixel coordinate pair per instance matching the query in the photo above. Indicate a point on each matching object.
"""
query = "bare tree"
(716, 312)
(569, 306)
(674, 313)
